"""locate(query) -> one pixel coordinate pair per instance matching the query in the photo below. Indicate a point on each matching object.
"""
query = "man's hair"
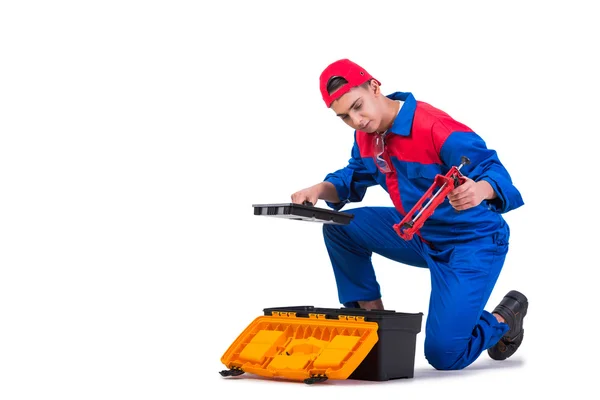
(336, 82)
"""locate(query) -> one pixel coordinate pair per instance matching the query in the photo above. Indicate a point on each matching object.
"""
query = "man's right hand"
(310, 194)
(323, 190)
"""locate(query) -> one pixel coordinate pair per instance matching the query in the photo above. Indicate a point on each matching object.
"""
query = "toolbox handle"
(307, 203)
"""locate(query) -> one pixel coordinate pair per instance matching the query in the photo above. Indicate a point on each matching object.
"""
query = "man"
(402, 144)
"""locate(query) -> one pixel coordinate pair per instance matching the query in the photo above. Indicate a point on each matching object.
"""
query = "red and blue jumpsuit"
(464, 251)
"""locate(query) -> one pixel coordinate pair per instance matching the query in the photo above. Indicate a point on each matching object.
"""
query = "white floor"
(485, 378)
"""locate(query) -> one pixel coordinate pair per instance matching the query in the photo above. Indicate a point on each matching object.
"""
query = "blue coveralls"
(464, 251)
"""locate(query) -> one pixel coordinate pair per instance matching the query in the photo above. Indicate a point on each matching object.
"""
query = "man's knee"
(329, 229)
(330, 232)
(336, 233)
(445, 353)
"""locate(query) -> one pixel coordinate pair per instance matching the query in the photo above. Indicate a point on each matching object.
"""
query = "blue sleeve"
(351, 182)
(485, 165)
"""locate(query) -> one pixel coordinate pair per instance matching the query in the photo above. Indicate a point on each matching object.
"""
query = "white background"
(135, 137)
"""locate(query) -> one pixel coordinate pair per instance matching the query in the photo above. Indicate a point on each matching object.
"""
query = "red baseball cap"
(351, 72)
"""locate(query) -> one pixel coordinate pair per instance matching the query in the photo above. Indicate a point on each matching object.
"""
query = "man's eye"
(357, 107)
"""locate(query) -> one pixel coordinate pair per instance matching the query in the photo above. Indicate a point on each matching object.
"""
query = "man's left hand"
(470, 194)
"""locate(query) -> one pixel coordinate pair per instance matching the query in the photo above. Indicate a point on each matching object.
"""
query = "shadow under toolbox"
(312, 344)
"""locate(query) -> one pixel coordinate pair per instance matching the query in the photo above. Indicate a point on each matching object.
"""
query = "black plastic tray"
(303, 212)
(393, 356)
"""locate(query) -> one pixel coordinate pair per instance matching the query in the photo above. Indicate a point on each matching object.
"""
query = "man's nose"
(358, 120)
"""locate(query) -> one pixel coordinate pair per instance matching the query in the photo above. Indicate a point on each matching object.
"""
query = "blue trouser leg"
(457, 330)
(350, 248)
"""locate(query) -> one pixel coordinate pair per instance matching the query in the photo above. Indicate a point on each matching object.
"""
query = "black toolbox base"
(393, 356)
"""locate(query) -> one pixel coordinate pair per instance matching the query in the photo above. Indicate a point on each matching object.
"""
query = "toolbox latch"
(317, 316)
(352, 318)
(283, 314)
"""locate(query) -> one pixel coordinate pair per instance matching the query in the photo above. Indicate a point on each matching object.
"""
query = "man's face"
(359, 108)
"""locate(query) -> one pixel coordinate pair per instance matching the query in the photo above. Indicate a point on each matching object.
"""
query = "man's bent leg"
(351, 246)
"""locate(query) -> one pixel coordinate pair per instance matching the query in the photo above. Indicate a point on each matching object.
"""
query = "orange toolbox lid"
(311, 349)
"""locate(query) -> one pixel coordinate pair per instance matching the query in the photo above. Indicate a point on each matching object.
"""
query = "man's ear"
(375, 87)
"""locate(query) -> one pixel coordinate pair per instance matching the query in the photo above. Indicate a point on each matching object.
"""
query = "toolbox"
(311, 345)
(303, 212)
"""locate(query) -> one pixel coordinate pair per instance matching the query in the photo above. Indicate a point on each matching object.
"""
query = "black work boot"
(513, 309)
